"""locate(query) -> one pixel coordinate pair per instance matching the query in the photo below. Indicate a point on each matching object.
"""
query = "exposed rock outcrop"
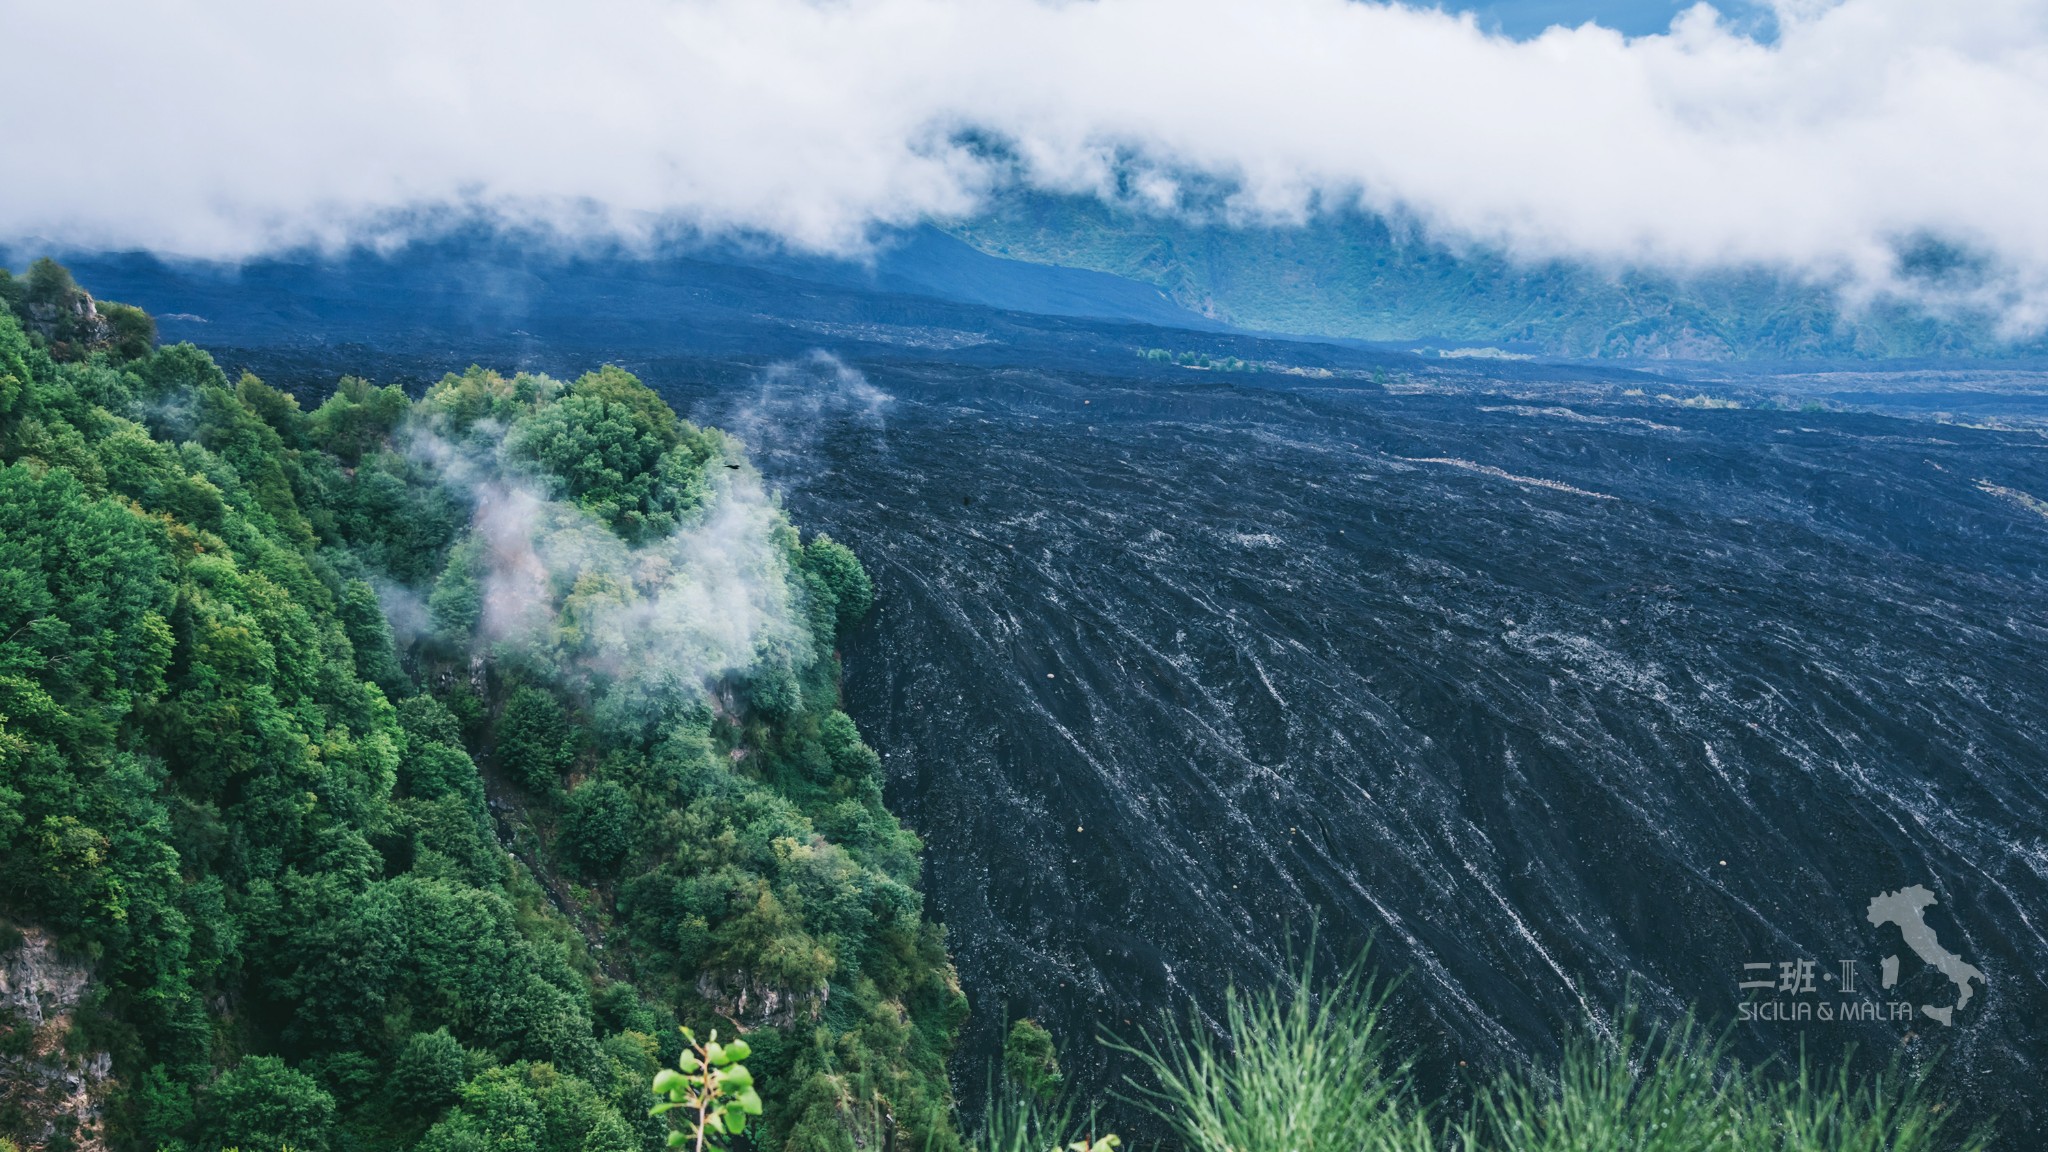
(73, 321)
(751, 1003)
(52, 1089)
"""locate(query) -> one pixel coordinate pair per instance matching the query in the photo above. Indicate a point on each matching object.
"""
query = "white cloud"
(226, 127)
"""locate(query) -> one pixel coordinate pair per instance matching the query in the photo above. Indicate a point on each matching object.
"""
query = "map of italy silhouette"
(1904, 908)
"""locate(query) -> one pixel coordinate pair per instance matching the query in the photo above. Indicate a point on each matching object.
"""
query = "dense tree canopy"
(355, 875)
(613, 447)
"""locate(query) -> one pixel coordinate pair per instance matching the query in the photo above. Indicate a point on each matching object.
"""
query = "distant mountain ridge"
(1358, 276)
(1344, 277)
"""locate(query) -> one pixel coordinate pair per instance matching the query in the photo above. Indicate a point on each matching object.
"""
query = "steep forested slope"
(405, 772)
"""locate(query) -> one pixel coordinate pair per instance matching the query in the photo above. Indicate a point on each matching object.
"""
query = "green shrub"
(362, 618)
(429, 1072)
(1029, 1063)
(1301, 1070)
(616, 449)
(530, 1107)
(775, 692)
(597, 827)
(357, 418)
(844, 583)
(430, 771)
(534, 742)
(1677, 1091)
(132, 332)
(849, 757)
(260, 1104)
(456, 605)
(427, 720)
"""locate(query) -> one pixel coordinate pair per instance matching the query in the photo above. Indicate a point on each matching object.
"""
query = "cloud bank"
(231, 127)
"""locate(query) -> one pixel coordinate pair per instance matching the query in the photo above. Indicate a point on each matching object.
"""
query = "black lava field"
(1558, 704)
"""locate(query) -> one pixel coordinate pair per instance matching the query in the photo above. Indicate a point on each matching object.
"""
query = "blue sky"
(1525, 18)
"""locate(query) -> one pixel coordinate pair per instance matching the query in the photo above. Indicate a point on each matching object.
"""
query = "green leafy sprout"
(712, 1088)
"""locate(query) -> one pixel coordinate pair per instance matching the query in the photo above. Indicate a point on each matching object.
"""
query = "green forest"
(406, 772)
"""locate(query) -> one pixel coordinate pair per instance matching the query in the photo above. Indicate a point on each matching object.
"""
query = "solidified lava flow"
(1559, 706)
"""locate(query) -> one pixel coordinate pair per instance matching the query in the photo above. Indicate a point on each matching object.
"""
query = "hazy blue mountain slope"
(730, 295)
(1357, 276)
(926, 261)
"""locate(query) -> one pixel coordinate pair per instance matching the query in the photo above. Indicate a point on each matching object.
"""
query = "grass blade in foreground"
(1308, 1071)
